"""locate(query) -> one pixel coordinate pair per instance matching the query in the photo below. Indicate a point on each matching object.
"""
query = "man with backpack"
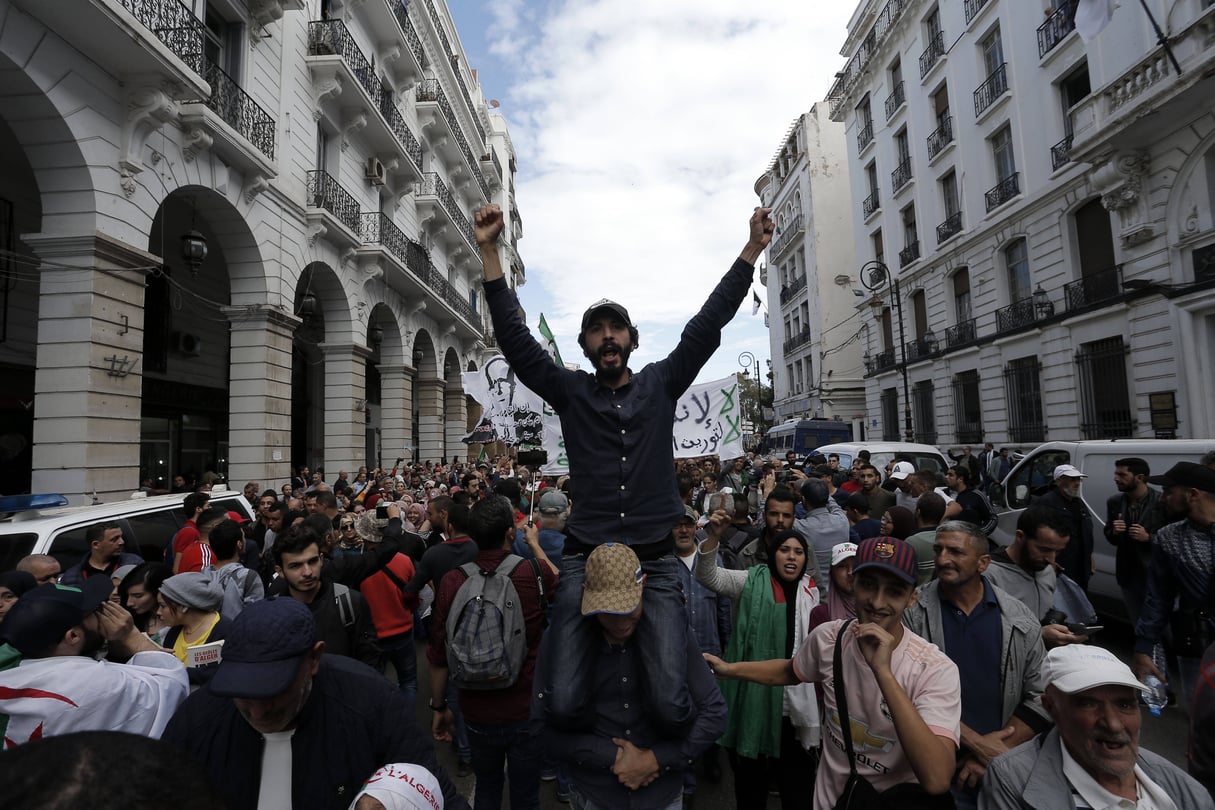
(242, 586)
(479, 609)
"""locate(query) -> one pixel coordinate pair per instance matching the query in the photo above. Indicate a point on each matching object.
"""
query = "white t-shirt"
(926, 674)
(275, 790)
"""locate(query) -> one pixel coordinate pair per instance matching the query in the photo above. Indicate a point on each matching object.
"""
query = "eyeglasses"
(347, 527)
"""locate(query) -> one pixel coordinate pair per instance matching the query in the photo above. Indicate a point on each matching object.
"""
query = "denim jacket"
(708, 613)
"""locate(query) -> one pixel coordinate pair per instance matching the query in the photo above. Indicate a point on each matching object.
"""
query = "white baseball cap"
(1067, 471)
(841, 552)
(403, 786)
(902, 470)
(1077, 667)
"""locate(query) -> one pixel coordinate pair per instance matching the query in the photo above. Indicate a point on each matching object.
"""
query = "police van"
(45, 524)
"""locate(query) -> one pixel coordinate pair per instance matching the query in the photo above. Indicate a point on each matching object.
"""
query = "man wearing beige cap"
(1092, 756)
(1077, 558)
(623, 759)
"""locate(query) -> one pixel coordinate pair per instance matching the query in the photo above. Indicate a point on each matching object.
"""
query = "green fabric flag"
(759, 635)
(553, 351)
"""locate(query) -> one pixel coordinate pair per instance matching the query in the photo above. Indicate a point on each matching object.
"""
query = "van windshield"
(1033, 477)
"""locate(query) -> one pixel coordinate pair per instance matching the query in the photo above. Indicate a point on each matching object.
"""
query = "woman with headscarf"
(898, 522)
(137, 593)
(189, 604)
(14, 585)
(770, 726)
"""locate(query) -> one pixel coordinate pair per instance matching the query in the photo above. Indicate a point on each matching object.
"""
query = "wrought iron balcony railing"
(949, 227)
(884, 360)
(787, 293)
(797, 339)
(400, 10)
(895, 100)
(1003, 191)
(237, 109)
(909, 254)
(396, 122)
(1015, 315)
(1104, 285)
(429, 90)
(919, 349)
(972, 8)
(450, 54)
(378, 229)
(1061, 153)
(333, 37)
(1060, 23)
(991, 89)
(933, 53)
(175, 25)
(941, 137)
(901, 175)
(864, 137)
(325, 192)
(785, 237)
(433, 186)
(870, 204)
(960, 334)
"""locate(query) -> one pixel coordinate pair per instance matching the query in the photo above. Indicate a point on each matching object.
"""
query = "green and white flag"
(550, 341)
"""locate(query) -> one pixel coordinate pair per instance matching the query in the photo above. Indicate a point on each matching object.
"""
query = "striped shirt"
(1182, 565)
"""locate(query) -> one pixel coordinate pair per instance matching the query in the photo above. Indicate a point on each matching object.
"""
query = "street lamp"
(875, 277)
(745, 361)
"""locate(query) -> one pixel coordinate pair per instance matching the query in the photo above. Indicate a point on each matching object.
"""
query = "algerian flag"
(755, 303)
(1092, 16)
(551, 342)
(483, 456)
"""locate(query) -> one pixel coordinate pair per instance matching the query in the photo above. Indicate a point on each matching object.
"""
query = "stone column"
(475, 411)
(259, 395)
(455, 420)
(430, 419)
(345, 405)
(396, 411)
(88, 382)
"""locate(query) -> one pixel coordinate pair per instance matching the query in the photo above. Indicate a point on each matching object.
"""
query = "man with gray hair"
(996, 642)
(1091, 758)
(553, 508)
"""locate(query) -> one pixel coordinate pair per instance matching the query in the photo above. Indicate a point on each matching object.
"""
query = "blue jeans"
(512, 744)
(460, 734)
(399, 652)
(567, 659)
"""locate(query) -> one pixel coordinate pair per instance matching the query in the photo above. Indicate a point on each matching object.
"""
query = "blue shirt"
(973, 643)
(708, 613)
(620, 441)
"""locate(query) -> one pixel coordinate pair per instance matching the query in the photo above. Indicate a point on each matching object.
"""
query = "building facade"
(813, 325)
(1043, 208)
(236, 236)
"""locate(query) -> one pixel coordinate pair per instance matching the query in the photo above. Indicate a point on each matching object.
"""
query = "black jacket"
(1132, 557)
(1077, 557)
(354, 722)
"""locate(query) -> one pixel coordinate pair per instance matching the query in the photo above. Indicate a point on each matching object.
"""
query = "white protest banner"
(708, 421)
(512, 411)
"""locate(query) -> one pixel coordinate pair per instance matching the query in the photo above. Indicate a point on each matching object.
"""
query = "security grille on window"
(1104, 394)
(968, 408)
(925, 415)
(890, 415)
(1023, 392)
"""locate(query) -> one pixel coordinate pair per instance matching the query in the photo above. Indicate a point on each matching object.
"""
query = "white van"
(924, 456)
(1096, 460)
(148, 524)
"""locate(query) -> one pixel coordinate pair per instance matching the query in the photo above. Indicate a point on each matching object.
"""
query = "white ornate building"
(1046, 209)
(816, 356)
(328, 154)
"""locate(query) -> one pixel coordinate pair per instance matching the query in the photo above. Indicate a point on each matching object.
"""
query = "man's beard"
(93, 642)
(611, 374)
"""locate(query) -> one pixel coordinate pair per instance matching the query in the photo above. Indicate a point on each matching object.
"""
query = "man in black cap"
(282, 725)
(617, 425)
(1182, 565)
(59, 688)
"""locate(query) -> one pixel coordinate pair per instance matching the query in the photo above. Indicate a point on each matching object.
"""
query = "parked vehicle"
(1032, 476)
(924, 456)
(148, 524)
(803, 435)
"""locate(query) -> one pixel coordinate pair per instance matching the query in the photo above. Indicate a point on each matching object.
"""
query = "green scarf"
(759, 635)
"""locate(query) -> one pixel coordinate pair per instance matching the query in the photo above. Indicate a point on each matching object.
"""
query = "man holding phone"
(617, 425)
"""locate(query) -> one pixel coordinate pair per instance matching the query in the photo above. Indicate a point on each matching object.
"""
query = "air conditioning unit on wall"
(186, 343)
(375, 172)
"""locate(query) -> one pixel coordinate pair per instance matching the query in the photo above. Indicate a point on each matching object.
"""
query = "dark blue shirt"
(973, 643)
(620, 441)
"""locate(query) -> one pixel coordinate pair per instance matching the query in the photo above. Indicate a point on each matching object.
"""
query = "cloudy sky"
(641, 127)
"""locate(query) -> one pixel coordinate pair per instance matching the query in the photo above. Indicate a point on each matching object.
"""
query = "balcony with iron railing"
(933, 53)
(238, 129)
(950, 227)
(333, 38)
(864, 137)
(848, 78)
(1094, 289)
(941, 137)
(434, 194)
(330, 204)
(972, 8)
(1003, 191)
(1060, 153)
(1016, 315)
(921, 348)
(901, 175)
(432, 102)
(994, 86)
(960, 334)
(1060, 23)
(409, 142)
(495, 177)
(909, 254)
(789, 292)
(883, 361)
(797, 340)
(452, 58)
(793, 228)
(895, 100)
(379, 229)
(871, 204)
(387, 16)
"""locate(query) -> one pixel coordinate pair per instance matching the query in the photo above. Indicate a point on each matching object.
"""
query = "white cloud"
(641, 127)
